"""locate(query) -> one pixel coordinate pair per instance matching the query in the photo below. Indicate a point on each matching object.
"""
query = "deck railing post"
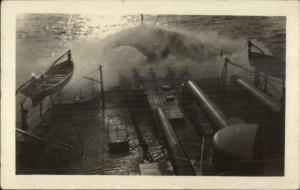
(256, 80)
(224, 74)
(266, 83)
(283, 91)
(41, 109)
(24, 113)
(102, 90)
(80, 94)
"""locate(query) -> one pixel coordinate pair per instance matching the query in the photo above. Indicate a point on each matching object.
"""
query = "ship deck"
(75, 137)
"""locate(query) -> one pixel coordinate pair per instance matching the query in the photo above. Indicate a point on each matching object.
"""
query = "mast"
(142, 19)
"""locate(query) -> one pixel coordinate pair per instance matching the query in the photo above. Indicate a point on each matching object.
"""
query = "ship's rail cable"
(78, 80)
(277, 91)
(270, 79)
(153, 26)
(20, 103)
(250, 45)
(274, 80)
(240, 55)
(32, 114)
(239, 66)
(82, 91)
(75, 83)
(53, 64)
(179, 157)
(20, 87)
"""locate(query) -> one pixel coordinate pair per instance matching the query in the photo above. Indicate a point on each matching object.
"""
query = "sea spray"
(144, 47)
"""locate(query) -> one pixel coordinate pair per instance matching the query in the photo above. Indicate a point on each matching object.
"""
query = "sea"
(121, 43)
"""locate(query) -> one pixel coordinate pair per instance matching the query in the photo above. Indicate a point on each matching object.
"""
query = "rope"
(274, 88)
(253, 45)
(239, 66)
(21, 102)
(52, 65)
(153, 26)
(20, 87)
(78, 80)
(179, 157)
(275, 80)
(240, 54)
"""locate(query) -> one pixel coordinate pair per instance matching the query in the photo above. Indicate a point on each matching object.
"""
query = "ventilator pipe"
(213, 111)
(257, 93)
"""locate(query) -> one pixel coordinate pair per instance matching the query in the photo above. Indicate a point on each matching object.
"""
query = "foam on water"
(43, 38)
(121, 43)
(143, 47)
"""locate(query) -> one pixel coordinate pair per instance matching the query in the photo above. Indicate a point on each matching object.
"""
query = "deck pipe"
(217, 116)
(233, 141)
(178, 157)
(257, 93)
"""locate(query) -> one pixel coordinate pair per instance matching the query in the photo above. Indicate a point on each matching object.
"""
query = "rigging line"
(20, 87)
(25, 98)
(270, 84)
(274, 80)
(52, 65)
(179, 157)
(19, 110)
(78, 80)
(239, 66)
(240, 54)
(274, 88)
(153, 26)
(245, 69)
(30, 116)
